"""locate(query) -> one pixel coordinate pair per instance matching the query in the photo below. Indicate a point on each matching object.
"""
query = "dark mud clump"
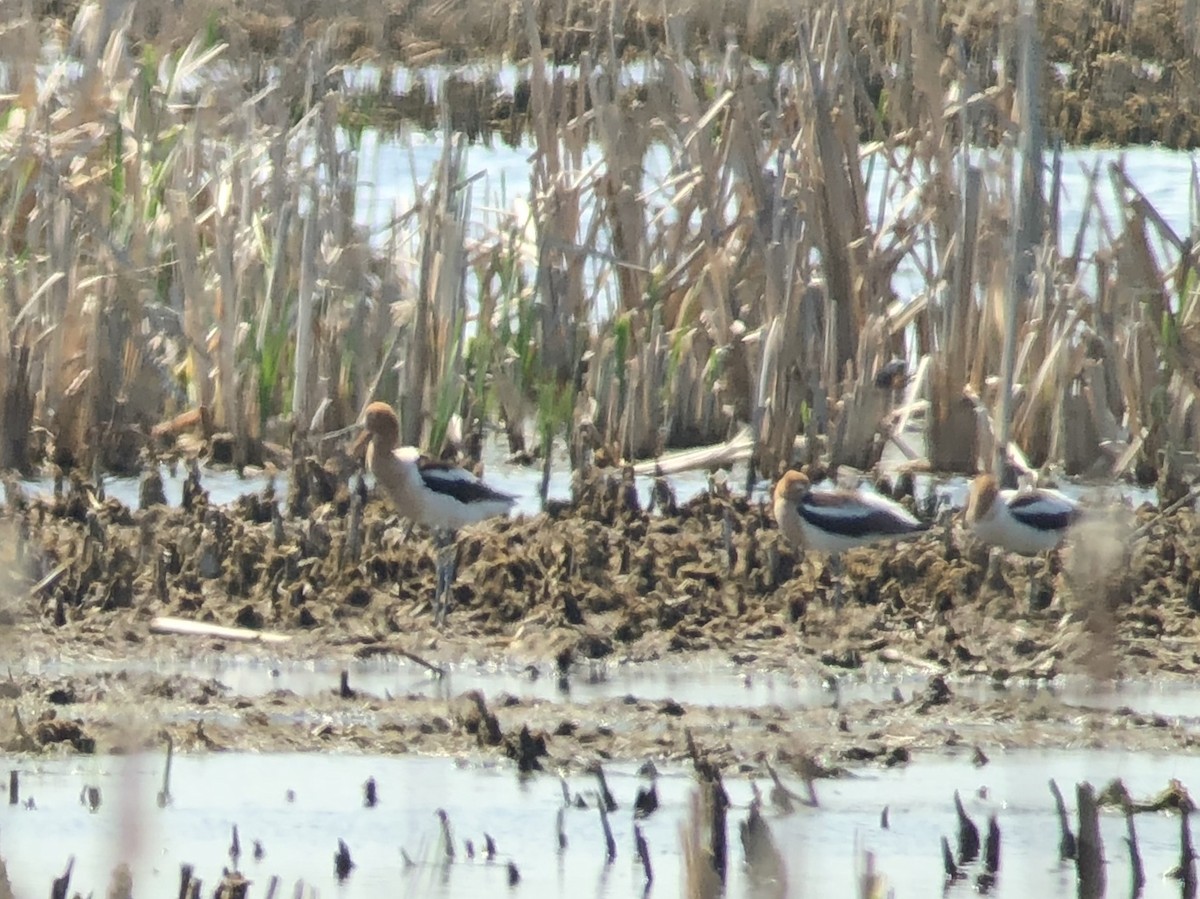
(602, 579)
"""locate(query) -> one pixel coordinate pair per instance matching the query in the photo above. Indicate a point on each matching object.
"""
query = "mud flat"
(935, 650)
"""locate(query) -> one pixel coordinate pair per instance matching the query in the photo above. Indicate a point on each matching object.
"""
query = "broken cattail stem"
(1187, 856)
(370, 794)
(610, 844)
(447, 836)
(1138, 872)
(272, 886)
(1089, 861)
(354, 531)
(991, 846)
(643, 852)
(342, 863)
(164, 795)
(948, 864)
(185, 879)
(1067, 848)
(606, 797)
(560, 824)
(61, 885)
(1027, 235)
(14, 788)
(968, 833)
(727, 540)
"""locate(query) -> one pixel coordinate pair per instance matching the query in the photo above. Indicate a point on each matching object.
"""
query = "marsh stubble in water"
(298, 839)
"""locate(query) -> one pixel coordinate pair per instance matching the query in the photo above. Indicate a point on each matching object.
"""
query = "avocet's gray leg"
(447, 561)
(839, 574)
(1032, 593)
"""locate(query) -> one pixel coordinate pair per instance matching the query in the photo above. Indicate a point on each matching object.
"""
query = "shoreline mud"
(599, 582)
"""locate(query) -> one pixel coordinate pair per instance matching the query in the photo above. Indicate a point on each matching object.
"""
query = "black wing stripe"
(465, 490)
(875, 522)
(1036, 512)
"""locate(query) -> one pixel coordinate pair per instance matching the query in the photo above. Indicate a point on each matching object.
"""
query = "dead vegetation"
(182, 242)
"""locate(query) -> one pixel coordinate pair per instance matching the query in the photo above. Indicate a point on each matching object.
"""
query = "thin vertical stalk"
(1027, 235)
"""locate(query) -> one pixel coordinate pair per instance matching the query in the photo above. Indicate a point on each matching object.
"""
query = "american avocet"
(435, 494)
(833, 521)
(1028, 521)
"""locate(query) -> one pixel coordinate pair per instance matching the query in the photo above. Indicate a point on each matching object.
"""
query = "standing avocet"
(435, 494)
(833, 521)
(1029, 522)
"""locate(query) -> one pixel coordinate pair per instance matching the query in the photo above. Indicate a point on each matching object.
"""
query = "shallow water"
(211, 793)
(708, 683)
(225, 486)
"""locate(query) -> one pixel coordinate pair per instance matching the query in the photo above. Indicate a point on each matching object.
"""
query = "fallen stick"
(413, 657)
(183, 627)
(49, 580)
(1190, 497)
(737, 449)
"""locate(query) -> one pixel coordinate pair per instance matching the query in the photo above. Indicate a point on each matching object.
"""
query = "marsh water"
(298, 832)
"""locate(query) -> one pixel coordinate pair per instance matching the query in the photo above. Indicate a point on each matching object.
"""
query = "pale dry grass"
(180, 231)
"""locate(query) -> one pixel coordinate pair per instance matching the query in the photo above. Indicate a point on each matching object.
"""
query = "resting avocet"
(435, 494)
(834, 521)
(1028, 521)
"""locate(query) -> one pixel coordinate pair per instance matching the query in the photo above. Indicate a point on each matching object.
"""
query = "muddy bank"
(603, 579)
(122, 713)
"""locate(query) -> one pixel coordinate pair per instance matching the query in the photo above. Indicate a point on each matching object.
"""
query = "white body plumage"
(838, 520)
(1027, 522)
